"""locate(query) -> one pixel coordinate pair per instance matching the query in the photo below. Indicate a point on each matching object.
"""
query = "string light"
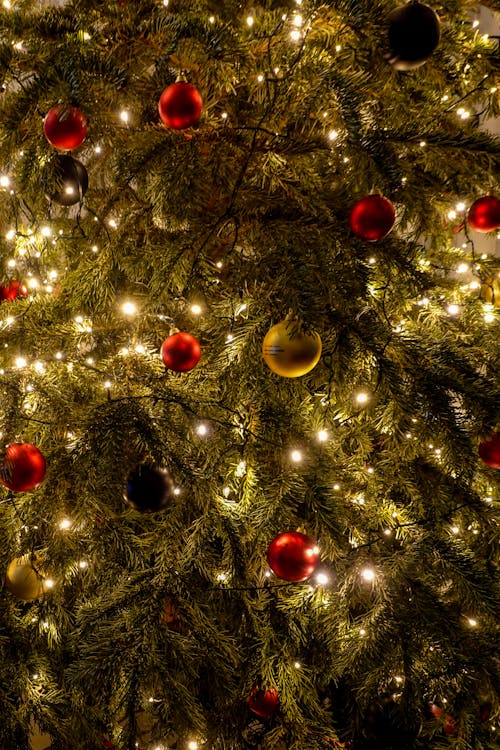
(362, 398)
(296, 456)
(368, 575)
(65, 524)
(129, 308)
(322, 435)
(201, 430)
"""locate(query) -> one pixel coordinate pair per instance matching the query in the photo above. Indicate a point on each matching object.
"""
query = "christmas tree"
(249, 374)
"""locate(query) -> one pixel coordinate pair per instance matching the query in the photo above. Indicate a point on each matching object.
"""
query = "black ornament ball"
(70, 181)
(414, 33)
(149, 488)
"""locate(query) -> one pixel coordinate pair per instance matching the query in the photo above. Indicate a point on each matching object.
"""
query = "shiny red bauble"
(484, 214)
(65, 127)
(180, 352)
(449, 723)
(489, 451)
(12, 291)
(263, 703)
(23, 467)
(372, 217)
(180, 105)
(292, 556)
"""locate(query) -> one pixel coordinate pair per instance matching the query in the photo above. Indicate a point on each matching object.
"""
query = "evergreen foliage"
(158, 626)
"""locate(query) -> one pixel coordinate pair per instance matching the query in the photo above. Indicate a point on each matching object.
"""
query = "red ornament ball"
(263, 703)
(484, 214)
(12, 291)
(65, 127)
(372, 217)
(489, 451)
(180, 105)
(23, 467)
(180, 352)
(292, 556)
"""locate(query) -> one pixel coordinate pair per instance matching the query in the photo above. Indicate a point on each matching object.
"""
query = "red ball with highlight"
(372, 217)
(489, 451)
(292, 556)
(180, 352)
(23, 467)
(12, 291)
(263, 703)
(484, 214)
(180, 106)
(65, 127)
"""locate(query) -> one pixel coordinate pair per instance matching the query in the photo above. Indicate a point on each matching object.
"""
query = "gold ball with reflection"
(23, 580)
(289, 352)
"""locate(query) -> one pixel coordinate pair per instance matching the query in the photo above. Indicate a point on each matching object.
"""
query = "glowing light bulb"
(472, 622)
(462, 268)
(453, 309)
(368, 575)
(20, 363)
(65, 524)
(322, 436)
(196, 309)
(124, 115)
(192, 745)
(129, 308)
(202, 430)
(322, 579)
(83, 565)
(250, 21)
(296, 456)
(333, 135)
(362, 397)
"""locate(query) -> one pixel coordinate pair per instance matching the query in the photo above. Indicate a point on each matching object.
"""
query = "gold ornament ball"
(22, 579)
(289, 352)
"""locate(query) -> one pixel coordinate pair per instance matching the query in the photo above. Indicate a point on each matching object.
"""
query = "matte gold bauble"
(290, 352)
(23, 580)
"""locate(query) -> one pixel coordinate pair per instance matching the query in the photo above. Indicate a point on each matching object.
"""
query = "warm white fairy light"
(462, 268)
(453, 309)
(250, 21)
(124, 115)
(472, 622)
(107, 384)
(201, 430)
(58, 355)
(489, 317)
(368, 575)
(452, 214)
(322, 579)
(295, 35)
(260, 78)
(322, 435)
(83, 565)
(10, 234)
(129, 308)
(196, 309)
(297, 664)
(455, 530)
(49, 583)
(362, 398)
(296, 456)
(11, 263)
(46, 231)
(229, 338)
(192, 745)
(336, 487)
(65, 524)
(21, 362)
